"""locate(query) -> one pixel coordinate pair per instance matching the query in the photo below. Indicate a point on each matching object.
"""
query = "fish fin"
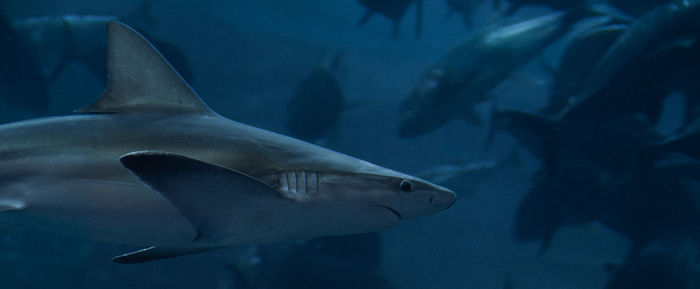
(158, 253)
(140, 79)
(209, 196)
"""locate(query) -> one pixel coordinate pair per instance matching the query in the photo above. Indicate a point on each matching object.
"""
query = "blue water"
(246, 60)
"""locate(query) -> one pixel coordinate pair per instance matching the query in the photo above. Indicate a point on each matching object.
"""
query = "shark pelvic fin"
(209, 196)
(140, 79)
(158, 253)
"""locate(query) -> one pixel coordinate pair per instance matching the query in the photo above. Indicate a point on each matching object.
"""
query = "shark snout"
(425, 202)
(442, 199)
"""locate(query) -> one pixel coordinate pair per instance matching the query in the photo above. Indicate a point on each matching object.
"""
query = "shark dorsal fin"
(140, 79)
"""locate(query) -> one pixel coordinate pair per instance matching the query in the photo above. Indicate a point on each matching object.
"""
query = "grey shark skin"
(149, 164)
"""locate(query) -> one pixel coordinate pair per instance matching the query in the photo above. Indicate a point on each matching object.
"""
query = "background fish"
(317, 104)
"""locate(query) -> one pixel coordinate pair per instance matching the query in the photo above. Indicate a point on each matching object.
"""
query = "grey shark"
(149, 164)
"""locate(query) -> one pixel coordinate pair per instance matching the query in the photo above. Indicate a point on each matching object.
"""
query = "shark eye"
(406, 186)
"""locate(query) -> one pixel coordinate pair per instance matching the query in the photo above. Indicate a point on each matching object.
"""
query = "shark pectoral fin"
(140, 79)
(158, 253)
(209, 196)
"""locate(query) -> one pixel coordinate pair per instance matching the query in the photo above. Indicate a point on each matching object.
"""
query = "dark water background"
(247, 57)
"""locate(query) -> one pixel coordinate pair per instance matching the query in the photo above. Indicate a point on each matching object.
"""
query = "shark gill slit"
(292, 178)
(284, 185)
(298, 184)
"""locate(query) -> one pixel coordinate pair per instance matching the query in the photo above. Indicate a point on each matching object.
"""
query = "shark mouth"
(391, 210)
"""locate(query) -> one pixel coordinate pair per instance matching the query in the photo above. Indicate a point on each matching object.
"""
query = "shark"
(150, 165)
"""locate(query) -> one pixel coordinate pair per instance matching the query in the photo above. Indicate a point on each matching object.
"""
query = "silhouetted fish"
(315, 108)
(463, 77)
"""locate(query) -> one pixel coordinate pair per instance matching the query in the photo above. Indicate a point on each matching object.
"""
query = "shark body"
(149, 164)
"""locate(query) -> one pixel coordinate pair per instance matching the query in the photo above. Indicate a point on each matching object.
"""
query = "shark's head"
(395, 195)
(352, 204)
(356, 195)
(359, 197)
